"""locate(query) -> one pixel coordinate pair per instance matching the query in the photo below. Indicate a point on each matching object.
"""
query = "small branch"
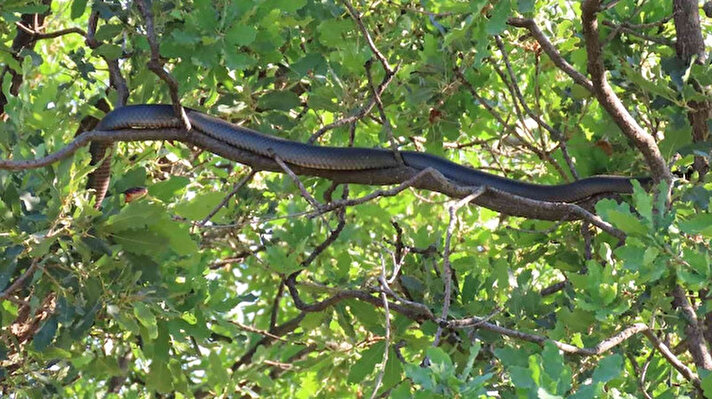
(156, 65)
(602, 347)
(357, 18)
(624, 27)
(447, 266)
(224, 201)
(275, 305)
(425, 173)
(384, 284)
(20, 280)
(551, 51)
(298, 183)
(541, 153)
(696, 343)
(415, 313)
(38, 35)
(258, 331)
(556, 134)
(554, 288)
(329, 240)
(384, 117)
(387, 78)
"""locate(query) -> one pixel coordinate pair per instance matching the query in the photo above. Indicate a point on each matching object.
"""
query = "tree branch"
(610, 101)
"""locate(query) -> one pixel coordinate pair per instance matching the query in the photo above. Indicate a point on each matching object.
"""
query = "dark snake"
(158, 116)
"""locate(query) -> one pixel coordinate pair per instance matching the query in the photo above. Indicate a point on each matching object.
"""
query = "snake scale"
(159, 116)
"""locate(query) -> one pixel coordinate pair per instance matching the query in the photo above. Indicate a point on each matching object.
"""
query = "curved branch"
(600, 348)
(610, 101)
(551, 51)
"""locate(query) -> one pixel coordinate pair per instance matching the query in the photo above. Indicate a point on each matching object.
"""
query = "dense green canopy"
(224, 282)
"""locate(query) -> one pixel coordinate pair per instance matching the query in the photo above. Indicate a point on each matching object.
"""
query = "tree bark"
(690, 46)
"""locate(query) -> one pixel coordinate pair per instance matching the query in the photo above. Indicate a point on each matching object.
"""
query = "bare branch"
(610, 101)
(602, 347)
(384, 117)
(447, 266)
(20, 280)
(624, 27)
(156, 65)
(38, 35)
(298, 183)
(357, 18)
(696, 343)
(224, 201)
(551, 51)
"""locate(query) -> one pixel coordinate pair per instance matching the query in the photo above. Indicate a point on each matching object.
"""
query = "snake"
(358, 159)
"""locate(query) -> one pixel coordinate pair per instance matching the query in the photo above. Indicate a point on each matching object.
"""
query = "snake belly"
(156, 116)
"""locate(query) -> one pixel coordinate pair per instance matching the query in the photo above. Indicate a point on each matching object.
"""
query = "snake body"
(156, 116)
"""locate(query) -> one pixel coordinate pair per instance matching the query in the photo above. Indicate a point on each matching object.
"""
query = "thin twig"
(156, 65)
(20, 280)
(624, 27)
(384, 117)
(384, 284)
(447, 266)
(551, 51)
(555, 133)
(357, 18)
(38, 35)
(298, 183)
(224, 201)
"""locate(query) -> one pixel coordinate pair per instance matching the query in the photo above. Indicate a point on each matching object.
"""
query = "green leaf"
(497, 22)
(331, 31)
(167, 190)
(107, 32)
(474, 350)
(608, 368)
(525, 6)
(240, 34)
(135, 215)
(288, 6)
(700, 223)
(521, 377)
(78, 8)
(512, 357)
(146, 317)
(45, 335)
(159, 377)
(368, 316)
(366, 364)
(238, 61)
(621, 217)
(677, 135)
(706, 383)
(279, 100)
(108, 51)
(643, 202)
(199, 206)
(218, 373)
(8, 264)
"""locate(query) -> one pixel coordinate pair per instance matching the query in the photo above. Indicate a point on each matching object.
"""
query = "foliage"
(138, 299)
